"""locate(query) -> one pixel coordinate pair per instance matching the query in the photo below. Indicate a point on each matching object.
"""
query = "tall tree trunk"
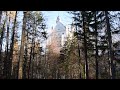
(85, 46)
(12, 44)
(29, 65)
(7, 52)
(78, 39)
(1, 42)
(25, 58)
(0, 15)
(110, 45)
(33, 52)
(20, 72)
(96, 42)
(9, 71)
(25, 63)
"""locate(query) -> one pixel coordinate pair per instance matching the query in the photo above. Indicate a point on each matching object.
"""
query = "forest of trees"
(91, 54)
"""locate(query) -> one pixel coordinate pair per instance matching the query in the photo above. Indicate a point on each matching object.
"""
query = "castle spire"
(58, 19)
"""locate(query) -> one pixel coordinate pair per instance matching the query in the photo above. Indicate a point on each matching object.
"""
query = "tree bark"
(96, 42)
(6, 63)
(20, 72)
(110, 45)
(1, 42)
(0, 15)
(85, 46)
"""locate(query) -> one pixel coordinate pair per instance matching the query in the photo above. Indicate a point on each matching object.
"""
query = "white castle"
(59, 34)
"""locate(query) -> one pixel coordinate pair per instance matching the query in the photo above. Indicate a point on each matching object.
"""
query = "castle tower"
(56, 37)
(59, 35)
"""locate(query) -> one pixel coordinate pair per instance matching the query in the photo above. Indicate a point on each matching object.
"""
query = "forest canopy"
(91, 49)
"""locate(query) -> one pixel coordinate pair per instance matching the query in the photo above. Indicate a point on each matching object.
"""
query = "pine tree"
(110, 44)
(1, 43)
(20, 72)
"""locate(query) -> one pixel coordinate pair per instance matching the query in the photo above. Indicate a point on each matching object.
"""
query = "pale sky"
(50, 20)
(51, 16)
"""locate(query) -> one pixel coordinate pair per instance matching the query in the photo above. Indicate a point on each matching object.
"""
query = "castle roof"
(59, 26)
